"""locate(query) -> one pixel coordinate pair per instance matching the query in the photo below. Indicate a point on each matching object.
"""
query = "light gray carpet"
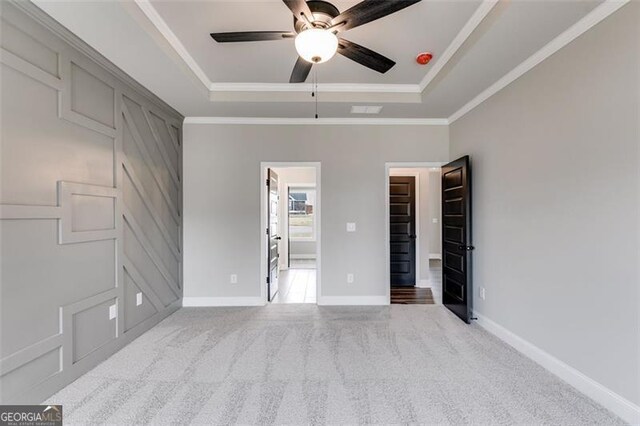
(304, 364)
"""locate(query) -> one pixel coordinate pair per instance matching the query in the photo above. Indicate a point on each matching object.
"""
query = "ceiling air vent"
(366, 109)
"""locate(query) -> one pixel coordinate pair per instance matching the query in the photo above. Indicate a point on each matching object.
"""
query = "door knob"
(413, 237)
(467, 248)
(278, 238)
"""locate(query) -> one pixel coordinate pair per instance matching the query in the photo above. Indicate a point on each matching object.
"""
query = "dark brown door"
(273, 233)
(402, 230)
(456, 238)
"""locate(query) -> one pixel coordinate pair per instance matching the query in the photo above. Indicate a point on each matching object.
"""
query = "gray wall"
(222, 163)
(90, 207)
(556, 203)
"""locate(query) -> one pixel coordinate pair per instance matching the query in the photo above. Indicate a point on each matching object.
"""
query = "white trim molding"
(624, 408)
(352, 300)
(319, 121)
(222, 301)
(591, 19)
(152, 14)
(478, 16)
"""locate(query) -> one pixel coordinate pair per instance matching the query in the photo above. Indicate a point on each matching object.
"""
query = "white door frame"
(264, 166)
(387, 236)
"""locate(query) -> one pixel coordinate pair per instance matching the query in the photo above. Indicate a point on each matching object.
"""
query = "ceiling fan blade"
(251, 36)
(300, 71)
(367, 11)
(364, 56)
(299, 7)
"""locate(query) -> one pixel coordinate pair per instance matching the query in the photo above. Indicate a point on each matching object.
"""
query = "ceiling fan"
(316, 25)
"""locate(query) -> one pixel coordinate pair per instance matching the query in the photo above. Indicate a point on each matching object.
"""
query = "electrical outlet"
(434, 220)
(350, 278)
(138, 299)
(482, 293)
(113, 311)
(234, 279)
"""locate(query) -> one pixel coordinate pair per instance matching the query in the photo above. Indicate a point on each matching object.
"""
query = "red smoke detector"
(424, 58)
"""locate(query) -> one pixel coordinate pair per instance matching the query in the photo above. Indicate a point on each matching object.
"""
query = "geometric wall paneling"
(148, 231)
(163, 140)
(94, 309)
(135, 194)
(147, 289)
(141, 129)
(168, 190)
(134, 314)
(143, 260)
(28, 49)
(170, 276)
(86, 99)
(142, 177)
(19, 64)
(91, 214)
(88, 212)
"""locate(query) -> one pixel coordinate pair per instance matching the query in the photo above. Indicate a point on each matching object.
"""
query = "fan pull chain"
(315, 88)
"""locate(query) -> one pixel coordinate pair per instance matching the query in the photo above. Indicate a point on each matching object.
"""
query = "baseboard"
(436, 256)
(352, 300)
(303, 256)
(622, 407)
(424, 284)
(222, 301)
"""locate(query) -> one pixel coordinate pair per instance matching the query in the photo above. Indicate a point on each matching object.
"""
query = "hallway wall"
(556, 201)
(90, 199)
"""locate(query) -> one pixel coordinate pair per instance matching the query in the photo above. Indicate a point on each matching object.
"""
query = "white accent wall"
(222, 202)
(556, 200)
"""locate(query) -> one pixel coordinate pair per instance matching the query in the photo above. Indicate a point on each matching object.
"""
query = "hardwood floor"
(412, 296)
(296, 286)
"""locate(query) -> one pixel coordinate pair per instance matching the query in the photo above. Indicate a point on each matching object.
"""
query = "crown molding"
(319, 121)
(478, 16)
(152, 14)
(590, 20)
(322, 87)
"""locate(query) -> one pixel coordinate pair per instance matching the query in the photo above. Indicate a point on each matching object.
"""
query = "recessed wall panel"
(92, 213)
(91, 97)
(39, 275)
(92, 329)
(39, 149)
(28, 48)
(31, 373)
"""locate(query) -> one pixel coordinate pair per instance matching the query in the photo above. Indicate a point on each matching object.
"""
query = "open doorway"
(414, 239)
(292, 249)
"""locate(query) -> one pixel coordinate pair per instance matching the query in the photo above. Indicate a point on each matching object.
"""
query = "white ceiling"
(425, 26)
(166, 46)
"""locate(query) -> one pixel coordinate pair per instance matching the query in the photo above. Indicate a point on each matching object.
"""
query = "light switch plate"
(138, 299)
(351, 227)
(350, 278)
(434, 220)
(233, 279)
(113, 311)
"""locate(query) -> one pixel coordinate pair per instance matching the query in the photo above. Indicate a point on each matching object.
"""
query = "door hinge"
(267, 280)
(267, 231)
(267, 181)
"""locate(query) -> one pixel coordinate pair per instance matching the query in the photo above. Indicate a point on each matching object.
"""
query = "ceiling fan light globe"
(316, 45)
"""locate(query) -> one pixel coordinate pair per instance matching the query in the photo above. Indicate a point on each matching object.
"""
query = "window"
(302, 202)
